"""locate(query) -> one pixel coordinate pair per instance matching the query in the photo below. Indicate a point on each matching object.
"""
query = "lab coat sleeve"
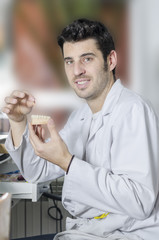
(31, 166)
(131, 185)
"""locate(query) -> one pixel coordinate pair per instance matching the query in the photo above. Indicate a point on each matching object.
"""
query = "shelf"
(24, 190)
(19, 189)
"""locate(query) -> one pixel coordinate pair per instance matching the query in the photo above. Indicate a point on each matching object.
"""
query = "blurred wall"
(30, 55)
(144, 49)
(36, 25)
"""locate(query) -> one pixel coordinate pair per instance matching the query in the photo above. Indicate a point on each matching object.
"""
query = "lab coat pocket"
(98, 227)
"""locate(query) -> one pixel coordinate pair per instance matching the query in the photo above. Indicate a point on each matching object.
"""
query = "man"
(108, 150)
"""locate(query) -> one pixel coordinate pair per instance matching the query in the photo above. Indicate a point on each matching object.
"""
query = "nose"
(79, 69)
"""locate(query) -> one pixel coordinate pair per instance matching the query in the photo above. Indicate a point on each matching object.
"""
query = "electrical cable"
(55, 198)
(58, 212)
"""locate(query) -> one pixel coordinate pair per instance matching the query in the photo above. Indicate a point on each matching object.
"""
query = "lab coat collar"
(109, 102)
(112, 97)
(107, 108)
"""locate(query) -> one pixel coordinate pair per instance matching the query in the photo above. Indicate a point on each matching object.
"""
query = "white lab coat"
(116, 168)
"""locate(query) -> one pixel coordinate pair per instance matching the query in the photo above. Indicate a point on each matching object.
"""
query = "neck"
(96, 104)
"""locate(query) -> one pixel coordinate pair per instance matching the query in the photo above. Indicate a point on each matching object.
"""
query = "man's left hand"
(55, 150)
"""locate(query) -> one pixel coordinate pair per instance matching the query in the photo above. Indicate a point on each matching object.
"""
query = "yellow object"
(2, 149)
(102, 216)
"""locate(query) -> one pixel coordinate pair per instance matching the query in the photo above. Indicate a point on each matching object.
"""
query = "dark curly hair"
(82, 29)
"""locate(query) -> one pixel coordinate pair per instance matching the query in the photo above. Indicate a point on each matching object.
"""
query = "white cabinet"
(20, 189)
(24, 190)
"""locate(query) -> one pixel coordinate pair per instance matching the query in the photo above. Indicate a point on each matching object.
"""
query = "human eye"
(68, 62)
(87, 59)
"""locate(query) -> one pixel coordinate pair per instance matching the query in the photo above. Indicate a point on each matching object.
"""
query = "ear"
(112, 60)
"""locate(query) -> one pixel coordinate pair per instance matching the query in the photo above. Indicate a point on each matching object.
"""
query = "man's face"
(85, 68)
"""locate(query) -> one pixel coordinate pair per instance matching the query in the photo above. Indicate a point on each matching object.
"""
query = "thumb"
(52, 128)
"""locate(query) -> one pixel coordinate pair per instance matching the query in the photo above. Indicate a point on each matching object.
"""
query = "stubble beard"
(92, 95)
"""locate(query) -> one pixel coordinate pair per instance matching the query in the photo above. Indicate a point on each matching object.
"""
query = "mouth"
(82, 83)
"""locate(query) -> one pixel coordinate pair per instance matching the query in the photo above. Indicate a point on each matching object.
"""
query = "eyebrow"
(67, 58)
(87, 54)
(83, 55)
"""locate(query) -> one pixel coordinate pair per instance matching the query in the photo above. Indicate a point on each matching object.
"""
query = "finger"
(30, 104)
(35, 146)
(10, 100)
(27, 102)
(39, 132)
(33, 137)
(7, 109)
(32, 130)
(18, 94)
(23, 94)
(43, 134)
(52, 128)
(29, 96)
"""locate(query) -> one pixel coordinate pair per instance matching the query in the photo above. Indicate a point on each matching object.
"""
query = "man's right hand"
(18, 105)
